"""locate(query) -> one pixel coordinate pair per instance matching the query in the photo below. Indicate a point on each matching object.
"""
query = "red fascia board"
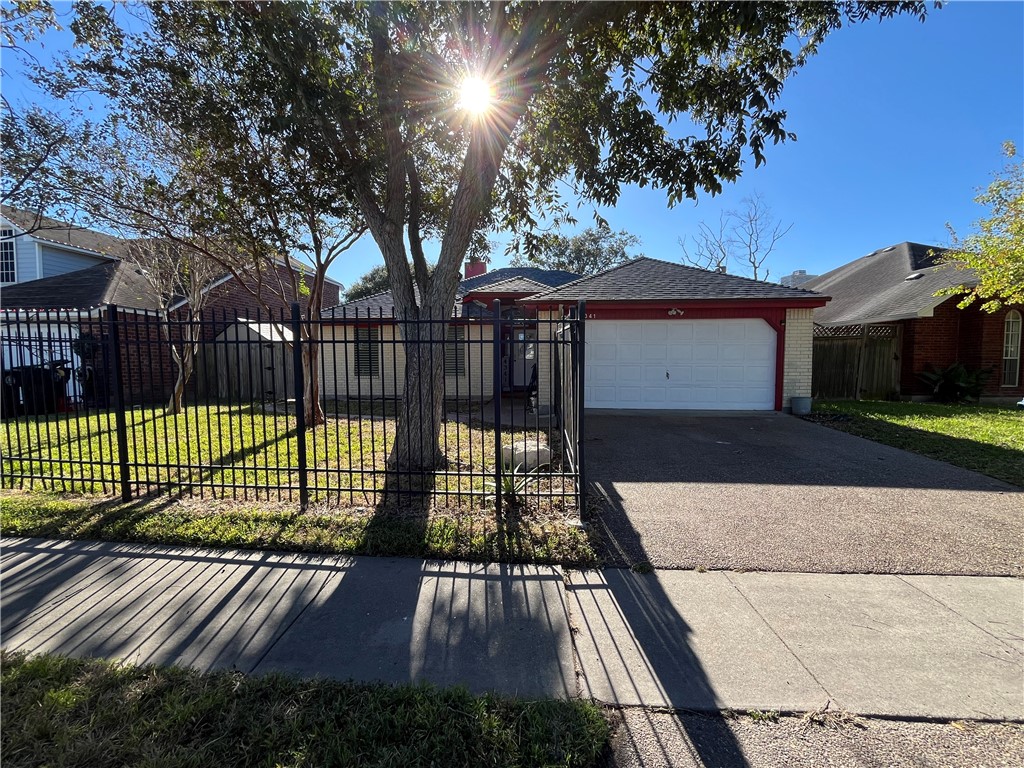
(697, 304)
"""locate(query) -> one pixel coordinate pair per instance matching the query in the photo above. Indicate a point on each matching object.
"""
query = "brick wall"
(796, 377)
(952, 335)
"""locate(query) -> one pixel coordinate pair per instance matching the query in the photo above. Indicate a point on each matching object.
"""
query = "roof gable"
(61, 233)
(647, 279)
(550, 278)
(523, 280)
(894, 283)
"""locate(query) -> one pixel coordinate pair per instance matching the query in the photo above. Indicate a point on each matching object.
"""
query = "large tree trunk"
(417, 439)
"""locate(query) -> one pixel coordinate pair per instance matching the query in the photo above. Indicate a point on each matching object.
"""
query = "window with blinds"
(455, 351)
(367, 351)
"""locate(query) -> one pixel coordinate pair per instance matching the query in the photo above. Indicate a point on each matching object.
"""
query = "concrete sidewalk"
(948, 647)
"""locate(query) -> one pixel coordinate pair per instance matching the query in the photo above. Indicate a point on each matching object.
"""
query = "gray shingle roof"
(551, 278)
(875, 288)
(512, 285)
(504, 280)
(646, 279)
(63, 233)
(112, 282)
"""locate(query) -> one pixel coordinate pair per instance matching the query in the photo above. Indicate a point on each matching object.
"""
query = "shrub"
(955, 384)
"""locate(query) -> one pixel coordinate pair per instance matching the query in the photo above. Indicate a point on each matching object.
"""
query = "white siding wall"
(57, 261)
(339, 355)
(25, 256)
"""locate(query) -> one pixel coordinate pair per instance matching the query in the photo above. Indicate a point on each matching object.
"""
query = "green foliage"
(449, 535)
(995, 253)
(956, 384)
(587, 253)
(93, 712)
(373, 282)
(514, 486)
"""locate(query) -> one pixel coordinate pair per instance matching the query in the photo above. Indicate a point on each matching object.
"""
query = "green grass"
(66, 712)
(472, 535)
(982, 438)
(219, 447)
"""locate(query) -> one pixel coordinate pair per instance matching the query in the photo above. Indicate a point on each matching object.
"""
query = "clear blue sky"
(899, 123)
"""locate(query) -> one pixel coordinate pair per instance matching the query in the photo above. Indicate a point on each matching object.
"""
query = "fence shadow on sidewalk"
(650, 658)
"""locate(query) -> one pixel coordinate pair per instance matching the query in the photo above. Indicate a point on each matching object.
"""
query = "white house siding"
(57, 261)
(339, 351)
(26, 263)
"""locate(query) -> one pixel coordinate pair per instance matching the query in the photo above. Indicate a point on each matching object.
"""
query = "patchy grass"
(63, 712)
(442, 534)
(982, 438)
(246, 452)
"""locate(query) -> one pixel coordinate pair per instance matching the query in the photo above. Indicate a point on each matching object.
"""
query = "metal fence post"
(300, 405)
(120, 417)
(581, 314)
(496, 307)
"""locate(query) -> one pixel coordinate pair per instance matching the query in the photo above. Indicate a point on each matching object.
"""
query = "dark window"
(455, 351)
(367, 352)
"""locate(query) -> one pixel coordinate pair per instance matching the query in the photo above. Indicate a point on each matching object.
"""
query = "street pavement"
(905, 646)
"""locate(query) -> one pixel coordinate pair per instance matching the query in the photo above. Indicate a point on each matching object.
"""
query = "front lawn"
(244, 452)
(520, 536)
(984, 439)
(64, 712)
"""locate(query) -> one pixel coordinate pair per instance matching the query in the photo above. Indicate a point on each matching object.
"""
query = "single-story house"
(363, 356)
(894, 290)
(659, 335)
(662, 335)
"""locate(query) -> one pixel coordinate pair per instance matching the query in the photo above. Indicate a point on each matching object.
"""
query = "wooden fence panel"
(837, 362)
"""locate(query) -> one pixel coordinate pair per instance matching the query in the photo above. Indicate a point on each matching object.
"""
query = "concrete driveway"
(771, 492)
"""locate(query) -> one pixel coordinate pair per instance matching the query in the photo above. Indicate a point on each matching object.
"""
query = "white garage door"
(680, 364)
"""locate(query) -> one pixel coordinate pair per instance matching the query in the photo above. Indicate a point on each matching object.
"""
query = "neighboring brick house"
(84, 274)
(895, 287)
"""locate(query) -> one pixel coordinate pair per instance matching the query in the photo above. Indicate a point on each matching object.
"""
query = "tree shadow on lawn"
(997, 461)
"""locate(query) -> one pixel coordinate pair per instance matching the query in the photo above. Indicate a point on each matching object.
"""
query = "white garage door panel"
(680, 364)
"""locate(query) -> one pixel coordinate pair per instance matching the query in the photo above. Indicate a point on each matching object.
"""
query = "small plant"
(955, 384)
(827, 717)
(513, 486)
(759, 716)
(642, 567)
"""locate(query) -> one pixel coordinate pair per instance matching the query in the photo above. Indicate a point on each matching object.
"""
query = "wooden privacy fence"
(856, 361)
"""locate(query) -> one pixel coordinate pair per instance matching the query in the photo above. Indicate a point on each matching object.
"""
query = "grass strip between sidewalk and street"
(61, 712)
(980, 438)
(470, 536)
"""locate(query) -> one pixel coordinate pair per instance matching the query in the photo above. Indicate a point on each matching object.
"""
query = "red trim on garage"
(688, 310)
(775, 317)
(772, 311)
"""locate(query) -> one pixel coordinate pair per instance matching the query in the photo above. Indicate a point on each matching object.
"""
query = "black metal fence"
(86, 396)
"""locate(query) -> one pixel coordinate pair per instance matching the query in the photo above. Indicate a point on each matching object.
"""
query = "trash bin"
(10, 394)
(44, 388)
